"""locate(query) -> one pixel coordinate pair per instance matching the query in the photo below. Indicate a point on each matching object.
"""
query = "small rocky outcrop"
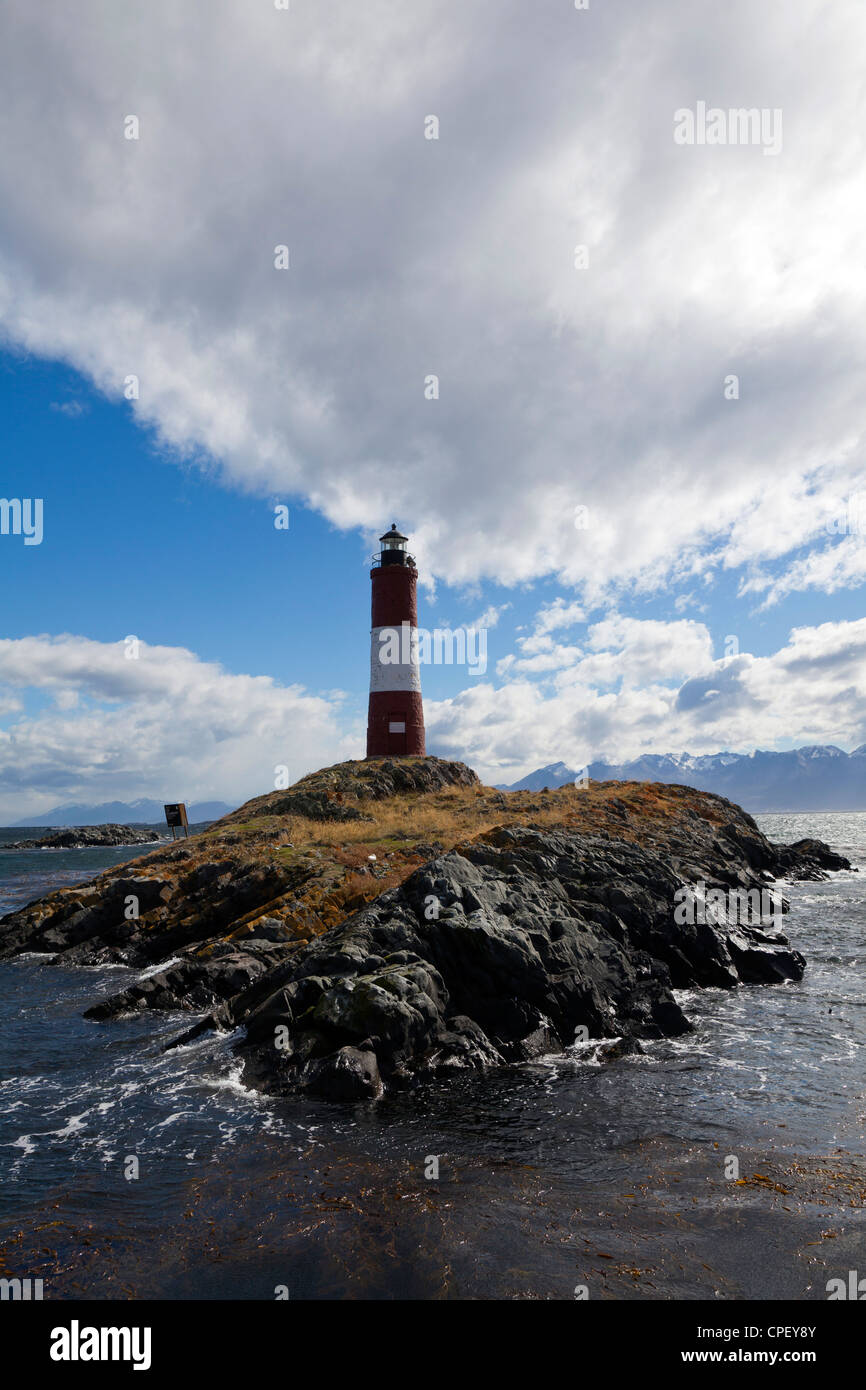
(89, 836)
(811, 860)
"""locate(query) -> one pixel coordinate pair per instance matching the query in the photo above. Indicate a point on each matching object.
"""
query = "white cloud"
(538, 651)
(560, 613)
(600, 387)
(839, 566)
(491, 615)
(559, 387)
(164, 724)
(638, 650)
(551, 657)
(813, 690)
(684, 601)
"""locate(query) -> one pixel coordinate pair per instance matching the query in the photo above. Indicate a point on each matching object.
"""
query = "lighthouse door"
(396, 733)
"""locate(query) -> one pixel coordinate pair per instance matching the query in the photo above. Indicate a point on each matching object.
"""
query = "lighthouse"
(395, 720)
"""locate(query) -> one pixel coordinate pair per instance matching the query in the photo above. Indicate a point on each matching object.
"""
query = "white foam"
(158, 968)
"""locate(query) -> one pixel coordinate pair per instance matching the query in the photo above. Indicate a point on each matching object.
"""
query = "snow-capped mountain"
(819, 777)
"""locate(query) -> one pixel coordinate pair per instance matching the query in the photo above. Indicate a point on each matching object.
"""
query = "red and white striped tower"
(395, 721)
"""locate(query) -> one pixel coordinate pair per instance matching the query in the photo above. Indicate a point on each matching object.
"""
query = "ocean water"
(27, 874)
(775, 1070)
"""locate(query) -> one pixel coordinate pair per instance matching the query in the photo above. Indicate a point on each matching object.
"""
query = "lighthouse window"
(397, 726)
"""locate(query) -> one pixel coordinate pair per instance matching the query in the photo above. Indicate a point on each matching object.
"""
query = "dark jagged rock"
(89, 836)
(87, 924)
(493, 954)
(348, 1074)
(195, 981)
(808, 859)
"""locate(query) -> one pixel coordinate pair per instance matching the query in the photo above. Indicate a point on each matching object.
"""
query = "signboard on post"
(176, 817)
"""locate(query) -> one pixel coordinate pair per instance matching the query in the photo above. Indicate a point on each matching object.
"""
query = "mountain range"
(816, 778)
(819, 777)
(142, 812)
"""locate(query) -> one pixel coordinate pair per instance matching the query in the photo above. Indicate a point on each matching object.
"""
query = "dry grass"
(458, 814)
(338, 866)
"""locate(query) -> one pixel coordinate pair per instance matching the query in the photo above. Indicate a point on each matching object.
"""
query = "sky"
(452, 264)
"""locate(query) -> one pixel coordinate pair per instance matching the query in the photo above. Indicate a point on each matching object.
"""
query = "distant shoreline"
(89, 837)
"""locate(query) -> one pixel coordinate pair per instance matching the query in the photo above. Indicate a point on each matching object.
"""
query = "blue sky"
(708, 517)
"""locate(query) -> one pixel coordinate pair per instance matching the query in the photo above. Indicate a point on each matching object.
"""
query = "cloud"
(538, 651)
(560, 613)
(551, 657)
(620, 700)
(684, 601)
(491, 615)
(636, 650)
(169, 724)
(833, 567)
(600, 387)
(161, 723)
(559, 388)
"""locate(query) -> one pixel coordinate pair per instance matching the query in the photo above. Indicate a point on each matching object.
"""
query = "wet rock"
(194, 983)
(346, 1075)
(88, 925)
(538, 934)
(810, 860)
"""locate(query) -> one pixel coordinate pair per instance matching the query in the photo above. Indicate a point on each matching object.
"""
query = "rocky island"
(390, 920)
(89, 837)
